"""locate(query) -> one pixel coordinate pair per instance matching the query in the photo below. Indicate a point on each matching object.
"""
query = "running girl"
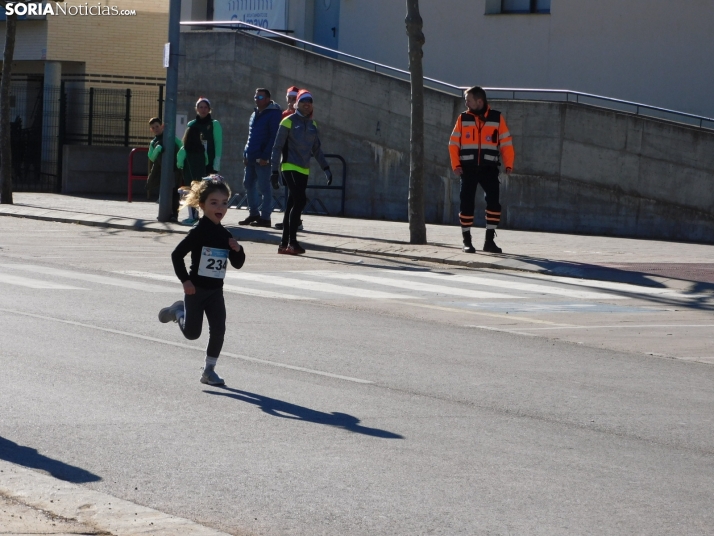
(211, 246)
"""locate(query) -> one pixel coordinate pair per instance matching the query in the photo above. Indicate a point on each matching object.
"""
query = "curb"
(99, 510)
(156, 227)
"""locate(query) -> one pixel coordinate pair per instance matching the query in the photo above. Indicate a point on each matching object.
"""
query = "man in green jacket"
(156, 148)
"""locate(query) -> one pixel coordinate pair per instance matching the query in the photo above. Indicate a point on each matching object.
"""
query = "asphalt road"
(364, 396)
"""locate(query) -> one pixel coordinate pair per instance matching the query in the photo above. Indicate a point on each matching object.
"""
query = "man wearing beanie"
(291, 99)
(298, 140)
(479, 140)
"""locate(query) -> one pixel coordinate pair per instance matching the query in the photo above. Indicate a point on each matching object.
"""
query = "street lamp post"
(168, 155)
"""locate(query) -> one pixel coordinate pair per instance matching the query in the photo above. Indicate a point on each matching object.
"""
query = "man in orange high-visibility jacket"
(479, 140)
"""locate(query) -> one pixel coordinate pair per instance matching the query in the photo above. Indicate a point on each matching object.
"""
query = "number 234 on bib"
(213, 263)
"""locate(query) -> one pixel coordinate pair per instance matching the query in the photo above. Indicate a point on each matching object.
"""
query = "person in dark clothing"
(156, 148)
(297, 142)
(211, 133)
(192, 158)
(262, 128)
(291, 99)
(211, 247)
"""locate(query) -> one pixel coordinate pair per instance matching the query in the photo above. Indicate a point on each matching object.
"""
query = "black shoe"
(249, 220)
(261, 223)
(489, 246)
(279, 226)
(468, 245)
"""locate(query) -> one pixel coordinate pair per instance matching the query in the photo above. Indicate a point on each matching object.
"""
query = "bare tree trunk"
(5, 145)
(417, 225)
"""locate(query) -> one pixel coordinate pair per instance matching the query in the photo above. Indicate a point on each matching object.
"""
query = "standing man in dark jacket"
(262, 129)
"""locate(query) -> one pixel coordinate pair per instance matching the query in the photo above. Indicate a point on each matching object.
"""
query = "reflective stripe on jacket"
(481, 143)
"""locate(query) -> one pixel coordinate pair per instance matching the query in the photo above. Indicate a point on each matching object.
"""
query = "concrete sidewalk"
(32, 502)
(593, 257)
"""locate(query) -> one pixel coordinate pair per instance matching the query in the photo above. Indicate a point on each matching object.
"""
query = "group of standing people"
(281, 145)
(279, 148)
(198, 154)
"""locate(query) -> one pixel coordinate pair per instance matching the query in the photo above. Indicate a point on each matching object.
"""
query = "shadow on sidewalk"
(29, 457)
(286, 410)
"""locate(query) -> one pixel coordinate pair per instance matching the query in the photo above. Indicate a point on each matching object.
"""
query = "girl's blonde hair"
(200, 190)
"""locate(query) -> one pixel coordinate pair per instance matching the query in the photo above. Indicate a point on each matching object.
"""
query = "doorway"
(326, 29)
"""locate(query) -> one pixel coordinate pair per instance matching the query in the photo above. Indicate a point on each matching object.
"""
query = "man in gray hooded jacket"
(297, 142)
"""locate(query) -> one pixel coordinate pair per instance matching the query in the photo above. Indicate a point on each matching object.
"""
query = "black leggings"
(209, 301)
(297, 199)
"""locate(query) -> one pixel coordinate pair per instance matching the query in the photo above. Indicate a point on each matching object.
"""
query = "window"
(510, 7)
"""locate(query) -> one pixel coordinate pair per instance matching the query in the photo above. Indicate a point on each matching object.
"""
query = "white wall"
(657, 52)
(30, 40)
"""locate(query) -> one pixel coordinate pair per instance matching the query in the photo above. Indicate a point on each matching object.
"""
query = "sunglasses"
(308, 100)
(259, 97)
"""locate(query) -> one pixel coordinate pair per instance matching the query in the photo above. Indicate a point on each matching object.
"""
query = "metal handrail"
(458, 90)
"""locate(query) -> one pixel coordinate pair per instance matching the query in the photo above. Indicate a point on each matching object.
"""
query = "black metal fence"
(45, 119)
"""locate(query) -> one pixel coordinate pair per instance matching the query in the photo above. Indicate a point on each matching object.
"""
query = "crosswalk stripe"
(622, 287)
(226, 288)
(413, 285)
(316, 286)
(88, 278)
(34, 283)
(514, 285)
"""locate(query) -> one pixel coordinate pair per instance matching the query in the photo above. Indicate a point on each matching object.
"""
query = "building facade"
(655, 52)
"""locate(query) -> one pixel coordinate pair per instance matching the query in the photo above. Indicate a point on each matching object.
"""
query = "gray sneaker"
(168, 314)
(210, 377)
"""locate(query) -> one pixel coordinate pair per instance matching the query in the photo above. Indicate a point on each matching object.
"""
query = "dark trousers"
(297, 199)
(210, 302)
(487, 177)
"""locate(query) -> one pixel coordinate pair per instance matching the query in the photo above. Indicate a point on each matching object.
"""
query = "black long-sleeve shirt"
(210, 241)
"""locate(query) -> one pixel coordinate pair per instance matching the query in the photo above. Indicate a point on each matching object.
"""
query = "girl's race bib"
(213, 263)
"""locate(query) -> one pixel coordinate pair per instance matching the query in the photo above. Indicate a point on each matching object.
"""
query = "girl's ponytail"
(200, 190)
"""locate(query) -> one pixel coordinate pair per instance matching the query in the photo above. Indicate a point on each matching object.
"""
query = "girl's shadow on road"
(29, 457)
(279, 408)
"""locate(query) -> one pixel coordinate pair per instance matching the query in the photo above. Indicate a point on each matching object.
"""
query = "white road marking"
(626, 326)
(186, 346)
(226, 288)
(622, 287)
(316, 286)
(86, 277)
(17, 280)
(413, 285)
(514, 285)
(491, 328)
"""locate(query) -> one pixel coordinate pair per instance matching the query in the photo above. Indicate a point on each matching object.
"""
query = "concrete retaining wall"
(93, 169)
(578, 168)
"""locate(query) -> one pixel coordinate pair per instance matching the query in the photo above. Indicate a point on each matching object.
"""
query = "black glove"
(274, 180)
(328, 174)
